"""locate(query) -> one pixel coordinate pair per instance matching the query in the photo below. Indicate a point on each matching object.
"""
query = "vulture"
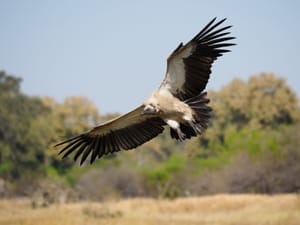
(179, 103)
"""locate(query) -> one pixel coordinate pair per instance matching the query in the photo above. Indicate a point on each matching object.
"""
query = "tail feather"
(198, 100)
(201, 117)
(201, 109)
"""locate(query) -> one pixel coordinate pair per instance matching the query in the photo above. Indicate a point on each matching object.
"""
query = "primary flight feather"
(180, 102)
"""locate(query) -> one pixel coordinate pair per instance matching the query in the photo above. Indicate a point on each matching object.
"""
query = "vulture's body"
(180, 102)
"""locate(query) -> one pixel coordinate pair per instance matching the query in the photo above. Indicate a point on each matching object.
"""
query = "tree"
(75, 115)
(22, 146)
(30, 126)
(263, 101)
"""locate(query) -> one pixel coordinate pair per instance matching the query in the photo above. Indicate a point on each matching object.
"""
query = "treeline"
(252, 145)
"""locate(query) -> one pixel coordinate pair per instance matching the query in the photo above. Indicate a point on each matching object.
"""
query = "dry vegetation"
(215, 210)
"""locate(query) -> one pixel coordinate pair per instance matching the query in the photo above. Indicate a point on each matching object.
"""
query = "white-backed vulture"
(180, 102)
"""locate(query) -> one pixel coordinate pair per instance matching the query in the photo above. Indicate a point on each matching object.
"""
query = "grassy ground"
(213, 210)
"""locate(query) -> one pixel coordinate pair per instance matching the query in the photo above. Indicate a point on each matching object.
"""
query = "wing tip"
(209, 28)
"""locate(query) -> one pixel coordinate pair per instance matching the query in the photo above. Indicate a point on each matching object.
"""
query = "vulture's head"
(151, 106)
(150, 110)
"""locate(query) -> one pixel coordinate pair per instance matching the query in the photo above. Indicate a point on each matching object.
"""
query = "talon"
(180, 135)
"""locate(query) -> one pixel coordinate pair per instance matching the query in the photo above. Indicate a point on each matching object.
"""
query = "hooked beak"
(149, 110)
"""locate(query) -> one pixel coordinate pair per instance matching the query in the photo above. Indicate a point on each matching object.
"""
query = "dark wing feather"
(189, 66)
(123, 133)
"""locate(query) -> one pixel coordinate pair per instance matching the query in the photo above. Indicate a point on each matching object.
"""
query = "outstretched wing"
(189, 66)
(125, 132)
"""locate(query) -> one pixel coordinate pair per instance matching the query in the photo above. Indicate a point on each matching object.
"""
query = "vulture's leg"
(181, 135)
(175, 126)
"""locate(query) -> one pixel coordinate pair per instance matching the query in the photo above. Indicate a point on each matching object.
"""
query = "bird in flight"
(180, 102)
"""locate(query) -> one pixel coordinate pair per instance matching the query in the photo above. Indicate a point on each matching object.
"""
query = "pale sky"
(114, 52)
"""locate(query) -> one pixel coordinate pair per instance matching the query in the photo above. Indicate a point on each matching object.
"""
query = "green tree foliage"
(72, 117)
(261, 102)
(21, 138)
(30, 126)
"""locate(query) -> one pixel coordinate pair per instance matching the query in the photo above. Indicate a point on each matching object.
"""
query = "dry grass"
(213, 210)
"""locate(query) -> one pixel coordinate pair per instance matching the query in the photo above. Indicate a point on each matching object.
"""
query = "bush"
(109, 183)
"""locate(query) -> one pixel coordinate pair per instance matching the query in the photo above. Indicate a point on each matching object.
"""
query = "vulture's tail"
(201, 117)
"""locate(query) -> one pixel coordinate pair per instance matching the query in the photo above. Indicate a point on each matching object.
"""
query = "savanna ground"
(214, 210)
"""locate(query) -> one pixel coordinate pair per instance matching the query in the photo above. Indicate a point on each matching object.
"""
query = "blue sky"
(114, 52)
